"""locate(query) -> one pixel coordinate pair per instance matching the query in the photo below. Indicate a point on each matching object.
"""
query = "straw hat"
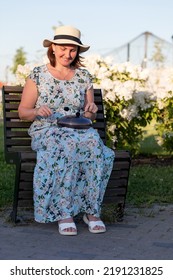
(67, 35)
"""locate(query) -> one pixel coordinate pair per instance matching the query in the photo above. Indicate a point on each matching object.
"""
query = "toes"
(98, 228)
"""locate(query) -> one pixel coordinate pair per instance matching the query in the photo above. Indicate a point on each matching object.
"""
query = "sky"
(105, 25)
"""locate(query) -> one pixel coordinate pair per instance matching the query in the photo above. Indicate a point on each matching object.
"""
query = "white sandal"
(93, 224)
(63, 226)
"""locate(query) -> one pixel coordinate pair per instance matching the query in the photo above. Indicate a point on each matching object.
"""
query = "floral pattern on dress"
(73, 165)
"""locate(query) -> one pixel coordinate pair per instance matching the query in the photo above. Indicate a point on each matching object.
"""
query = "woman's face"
(65, 54)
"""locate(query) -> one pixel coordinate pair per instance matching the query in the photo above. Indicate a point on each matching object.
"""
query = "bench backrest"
(16, 138)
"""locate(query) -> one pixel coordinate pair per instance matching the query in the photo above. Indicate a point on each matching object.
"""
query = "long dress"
(73, 165)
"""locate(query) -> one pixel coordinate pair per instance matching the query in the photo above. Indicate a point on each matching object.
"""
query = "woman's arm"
(90, 107)
(27, 110)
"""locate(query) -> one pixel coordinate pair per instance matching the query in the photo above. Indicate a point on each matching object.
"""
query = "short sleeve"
(34, 75)
(88, 79)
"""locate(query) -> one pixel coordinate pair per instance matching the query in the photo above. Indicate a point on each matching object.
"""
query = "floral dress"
(73, 165)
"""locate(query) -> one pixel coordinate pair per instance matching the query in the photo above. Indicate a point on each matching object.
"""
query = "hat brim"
(47, 43)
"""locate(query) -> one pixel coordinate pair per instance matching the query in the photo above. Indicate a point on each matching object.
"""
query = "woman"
(73, 166)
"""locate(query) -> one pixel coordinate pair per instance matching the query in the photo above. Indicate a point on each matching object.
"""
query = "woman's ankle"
(66, 220)
(93, 218)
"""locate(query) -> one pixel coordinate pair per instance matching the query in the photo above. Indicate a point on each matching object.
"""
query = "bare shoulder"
(29, 86)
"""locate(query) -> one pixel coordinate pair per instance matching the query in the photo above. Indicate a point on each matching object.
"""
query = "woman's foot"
(95, 225)
(67, 227)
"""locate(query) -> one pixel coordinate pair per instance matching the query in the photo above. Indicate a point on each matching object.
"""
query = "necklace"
(63, 76)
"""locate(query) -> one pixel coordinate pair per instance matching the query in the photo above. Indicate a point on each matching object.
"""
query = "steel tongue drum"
(74, 121)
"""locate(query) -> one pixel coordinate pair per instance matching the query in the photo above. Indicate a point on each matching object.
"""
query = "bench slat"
(18, 142)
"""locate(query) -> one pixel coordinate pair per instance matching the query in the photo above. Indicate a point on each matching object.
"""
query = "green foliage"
(19, 58)
(164, 125)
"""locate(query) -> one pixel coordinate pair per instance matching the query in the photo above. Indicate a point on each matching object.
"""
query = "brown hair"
(77, 62)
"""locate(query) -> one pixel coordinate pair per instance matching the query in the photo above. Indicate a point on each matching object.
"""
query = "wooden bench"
(17, 149)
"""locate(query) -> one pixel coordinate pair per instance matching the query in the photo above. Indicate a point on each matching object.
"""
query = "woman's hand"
(43, 111)
(90, 111)
(26, 109)
(91, 107)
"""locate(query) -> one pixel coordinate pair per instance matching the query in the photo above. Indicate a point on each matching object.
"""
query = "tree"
(19, 58)
(158, 58)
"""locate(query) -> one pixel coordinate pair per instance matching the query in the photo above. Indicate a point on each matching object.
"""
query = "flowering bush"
(23, 71)
(129, 103)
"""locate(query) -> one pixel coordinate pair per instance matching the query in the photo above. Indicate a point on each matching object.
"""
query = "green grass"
(7, 176)
(149, 184)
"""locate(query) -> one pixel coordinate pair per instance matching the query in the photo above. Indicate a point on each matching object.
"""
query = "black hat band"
(68, 37)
